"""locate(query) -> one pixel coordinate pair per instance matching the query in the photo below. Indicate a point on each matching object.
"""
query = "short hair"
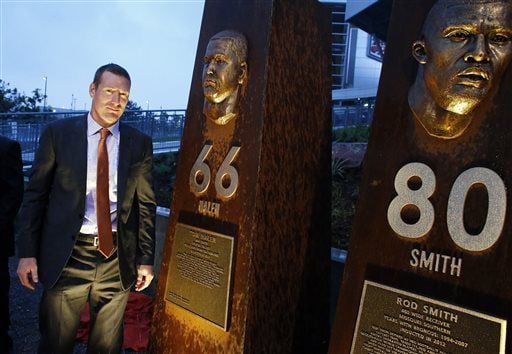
(237, 43)
(112, 68)
(439, 5)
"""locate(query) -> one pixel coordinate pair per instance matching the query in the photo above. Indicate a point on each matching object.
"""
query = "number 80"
(497, 205)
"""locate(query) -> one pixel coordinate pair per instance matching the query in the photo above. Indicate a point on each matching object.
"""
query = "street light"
(73, 102)
(44, 97)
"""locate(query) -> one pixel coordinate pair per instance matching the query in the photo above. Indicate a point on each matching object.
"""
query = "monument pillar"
(428, 268)
(246, 260)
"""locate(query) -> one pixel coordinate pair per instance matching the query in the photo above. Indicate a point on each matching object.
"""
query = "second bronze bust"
(465, 48)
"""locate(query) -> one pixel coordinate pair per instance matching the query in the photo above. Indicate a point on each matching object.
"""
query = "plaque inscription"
(200, 273)
(393, 320)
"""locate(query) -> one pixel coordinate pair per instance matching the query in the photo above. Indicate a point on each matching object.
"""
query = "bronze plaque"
(393, 320)
(200, 273)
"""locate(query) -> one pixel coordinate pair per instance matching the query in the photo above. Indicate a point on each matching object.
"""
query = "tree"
(13, 101)
(30, 103)
(132, 106)
(134, 114)
(8, 97)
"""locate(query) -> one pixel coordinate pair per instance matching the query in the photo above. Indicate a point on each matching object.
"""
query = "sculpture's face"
(467, 48)
(221, 71)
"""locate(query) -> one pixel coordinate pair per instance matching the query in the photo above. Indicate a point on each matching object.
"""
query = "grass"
(355, 134)
(345, 189)
(164, 174)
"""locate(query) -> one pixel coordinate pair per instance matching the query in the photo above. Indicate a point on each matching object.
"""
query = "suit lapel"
(78, 151)
(123, 164)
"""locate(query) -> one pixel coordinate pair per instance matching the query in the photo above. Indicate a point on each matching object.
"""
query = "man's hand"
(27, 272)
(144, 277)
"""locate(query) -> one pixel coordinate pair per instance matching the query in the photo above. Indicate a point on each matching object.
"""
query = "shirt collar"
(93, 127)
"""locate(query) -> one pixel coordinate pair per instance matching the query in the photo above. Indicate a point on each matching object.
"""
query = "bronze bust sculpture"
(224, 73)
(465, 48)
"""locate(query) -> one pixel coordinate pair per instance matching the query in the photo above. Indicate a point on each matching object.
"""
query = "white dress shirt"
(90, 224)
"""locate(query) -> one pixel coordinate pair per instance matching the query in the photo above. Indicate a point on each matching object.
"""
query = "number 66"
(200, 170)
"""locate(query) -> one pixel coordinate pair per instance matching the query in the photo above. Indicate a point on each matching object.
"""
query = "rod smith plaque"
(200, 273)
(393, 320)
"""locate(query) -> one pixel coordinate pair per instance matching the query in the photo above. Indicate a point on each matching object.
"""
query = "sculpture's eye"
(499, 39)
(458, 35)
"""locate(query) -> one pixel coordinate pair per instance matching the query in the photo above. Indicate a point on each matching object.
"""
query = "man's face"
(109, 98)
(221, 71)
(467, 47)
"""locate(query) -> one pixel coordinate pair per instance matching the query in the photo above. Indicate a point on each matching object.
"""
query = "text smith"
(436, 262)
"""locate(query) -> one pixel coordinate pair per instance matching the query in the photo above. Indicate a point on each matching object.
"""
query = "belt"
(93, 239)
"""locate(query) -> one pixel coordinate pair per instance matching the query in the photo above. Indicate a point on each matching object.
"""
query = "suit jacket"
(11, 192)
(54, 204)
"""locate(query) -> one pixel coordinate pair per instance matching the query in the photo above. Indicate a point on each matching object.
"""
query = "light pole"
(73, 102)
(44, 97)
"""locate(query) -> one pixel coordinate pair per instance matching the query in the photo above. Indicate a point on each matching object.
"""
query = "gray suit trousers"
(87, 276)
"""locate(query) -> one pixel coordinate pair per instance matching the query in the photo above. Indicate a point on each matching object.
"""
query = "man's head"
(109, 91)
(225, 65)
(465, 48)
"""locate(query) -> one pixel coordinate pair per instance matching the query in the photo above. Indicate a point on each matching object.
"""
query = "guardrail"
(165, 126)
(349, 116)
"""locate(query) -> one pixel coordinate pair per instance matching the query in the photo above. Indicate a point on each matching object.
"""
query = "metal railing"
(350, 116)
(165, 126)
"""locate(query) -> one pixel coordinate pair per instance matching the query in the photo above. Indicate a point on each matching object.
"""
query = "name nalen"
(436, 262)
(208, 208)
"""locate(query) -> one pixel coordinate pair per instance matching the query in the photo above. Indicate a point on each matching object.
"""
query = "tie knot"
(104, 132)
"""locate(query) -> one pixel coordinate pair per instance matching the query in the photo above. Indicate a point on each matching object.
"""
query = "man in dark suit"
(88, 219)
(11, 194)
